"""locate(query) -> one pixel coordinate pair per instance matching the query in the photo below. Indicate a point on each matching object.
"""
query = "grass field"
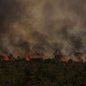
(42, 73)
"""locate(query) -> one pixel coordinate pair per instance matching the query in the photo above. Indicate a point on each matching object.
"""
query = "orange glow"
(6, 58)
(27, 57)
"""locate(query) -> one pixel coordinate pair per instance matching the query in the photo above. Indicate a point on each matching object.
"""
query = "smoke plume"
(42, 26)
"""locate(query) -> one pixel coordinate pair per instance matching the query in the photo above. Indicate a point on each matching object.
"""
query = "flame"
(28, 57)
(65, 59)
(4, 57)
(81, 58)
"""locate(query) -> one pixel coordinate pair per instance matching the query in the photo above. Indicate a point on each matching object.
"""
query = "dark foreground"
(42, 73)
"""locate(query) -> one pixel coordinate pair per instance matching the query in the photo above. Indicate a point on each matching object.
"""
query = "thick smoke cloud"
(10, 12)
(43, 25)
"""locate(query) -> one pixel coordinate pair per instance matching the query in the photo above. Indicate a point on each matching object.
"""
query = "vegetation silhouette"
(39, 72)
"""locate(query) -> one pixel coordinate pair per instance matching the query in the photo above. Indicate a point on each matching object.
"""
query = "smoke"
(43, 25)
(10, 12)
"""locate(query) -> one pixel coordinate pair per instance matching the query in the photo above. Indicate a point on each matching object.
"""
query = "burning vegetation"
(36, 29)
(57, 55)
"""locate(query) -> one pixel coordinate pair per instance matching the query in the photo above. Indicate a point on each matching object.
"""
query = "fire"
(78, 57)
(65, 59)
(28, 57)
(4, 57)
